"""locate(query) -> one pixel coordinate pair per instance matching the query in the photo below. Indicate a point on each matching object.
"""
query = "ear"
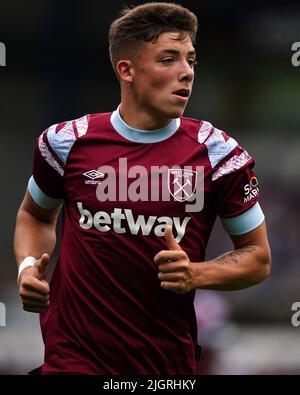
(125, 71)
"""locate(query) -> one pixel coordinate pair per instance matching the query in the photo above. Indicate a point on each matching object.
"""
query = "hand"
(175, 269)
(33, 288)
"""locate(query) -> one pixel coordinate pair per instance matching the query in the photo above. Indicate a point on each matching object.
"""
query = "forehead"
(171, 40)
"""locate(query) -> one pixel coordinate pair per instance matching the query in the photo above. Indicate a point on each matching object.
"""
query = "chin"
(171, 112)
(177, 114)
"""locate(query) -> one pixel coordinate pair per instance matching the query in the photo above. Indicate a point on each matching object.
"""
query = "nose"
(186, 72)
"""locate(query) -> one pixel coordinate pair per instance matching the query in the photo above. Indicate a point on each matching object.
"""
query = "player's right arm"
(35, 236)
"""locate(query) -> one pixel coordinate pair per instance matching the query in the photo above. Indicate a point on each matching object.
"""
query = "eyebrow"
(175, 52)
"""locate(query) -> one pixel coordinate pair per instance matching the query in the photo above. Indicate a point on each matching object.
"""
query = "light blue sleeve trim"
(40, 197)
(245, 222)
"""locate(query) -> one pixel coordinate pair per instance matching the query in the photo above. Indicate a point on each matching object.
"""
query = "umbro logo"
(93, 176)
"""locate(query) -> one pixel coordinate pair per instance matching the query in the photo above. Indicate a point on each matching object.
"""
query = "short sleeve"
(52, 148)
(234, 184)
(47, 169)
(236, 192)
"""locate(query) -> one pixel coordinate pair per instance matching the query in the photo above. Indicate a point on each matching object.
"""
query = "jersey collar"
(143, 136)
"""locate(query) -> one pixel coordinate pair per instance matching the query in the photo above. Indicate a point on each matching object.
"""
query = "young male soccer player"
(141, 188)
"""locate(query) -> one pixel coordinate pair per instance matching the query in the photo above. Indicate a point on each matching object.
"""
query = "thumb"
(42, 265)
(170, 240)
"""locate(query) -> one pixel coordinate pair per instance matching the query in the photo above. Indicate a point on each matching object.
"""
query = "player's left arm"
(247, 265)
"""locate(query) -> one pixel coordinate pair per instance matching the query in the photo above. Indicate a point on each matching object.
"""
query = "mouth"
(182, 93)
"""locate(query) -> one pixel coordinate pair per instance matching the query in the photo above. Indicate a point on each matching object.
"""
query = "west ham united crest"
(182, 183)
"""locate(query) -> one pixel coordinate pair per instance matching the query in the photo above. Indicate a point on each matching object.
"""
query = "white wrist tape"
(28, 261)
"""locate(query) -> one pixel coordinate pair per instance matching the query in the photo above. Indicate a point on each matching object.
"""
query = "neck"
(138, 117)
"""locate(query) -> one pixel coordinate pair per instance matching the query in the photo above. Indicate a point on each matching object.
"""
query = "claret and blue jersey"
(120, 188)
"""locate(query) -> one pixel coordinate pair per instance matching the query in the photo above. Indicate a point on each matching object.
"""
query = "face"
(163, 74)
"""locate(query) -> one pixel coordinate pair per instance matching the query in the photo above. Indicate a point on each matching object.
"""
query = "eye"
(167, 60)
(192, 62)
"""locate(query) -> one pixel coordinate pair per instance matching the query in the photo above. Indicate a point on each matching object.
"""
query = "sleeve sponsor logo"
(251, 190)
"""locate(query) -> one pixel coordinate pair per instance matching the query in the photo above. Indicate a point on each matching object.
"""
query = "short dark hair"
(145, 23)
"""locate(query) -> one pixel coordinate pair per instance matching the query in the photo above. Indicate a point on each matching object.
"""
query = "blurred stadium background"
(58, 68)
